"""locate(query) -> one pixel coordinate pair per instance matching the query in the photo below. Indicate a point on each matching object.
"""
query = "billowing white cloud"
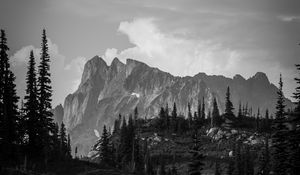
(182, 55)
(172, 53)
(76, 66)
(64, 77)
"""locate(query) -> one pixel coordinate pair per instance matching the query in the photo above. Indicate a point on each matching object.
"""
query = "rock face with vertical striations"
(58, 113)
(105, 91)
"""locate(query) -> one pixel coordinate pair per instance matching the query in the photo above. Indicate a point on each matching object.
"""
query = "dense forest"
(248, 141)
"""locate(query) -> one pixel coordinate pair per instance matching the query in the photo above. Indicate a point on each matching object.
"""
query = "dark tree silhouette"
(203, 110)
(279, 144)
(196, 164)
(199, 110)
(240, 113)
(190, 116)
(228, 104)
(294, 133)
(44, 96)
(31, 109)
(297, 93)
(104, 153)
(215, 118)
(174, 118)
(264, 159)
(9, 115)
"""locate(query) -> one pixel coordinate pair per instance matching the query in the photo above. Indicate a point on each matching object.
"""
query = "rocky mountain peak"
(94, 66)
(261, 77)
(238, 77)
(131, 64)
(116, 65)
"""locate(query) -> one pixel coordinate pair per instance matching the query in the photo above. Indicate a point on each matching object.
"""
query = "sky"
(183, 37)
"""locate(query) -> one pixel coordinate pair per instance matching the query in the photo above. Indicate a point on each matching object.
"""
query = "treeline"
(28, 135)
(125, 149)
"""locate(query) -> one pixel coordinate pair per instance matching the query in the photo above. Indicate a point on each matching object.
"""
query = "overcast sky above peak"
(182, 37)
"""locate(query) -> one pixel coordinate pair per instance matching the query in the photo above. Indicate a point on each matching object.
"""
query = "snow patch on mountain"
(135, 94)
(96, 133)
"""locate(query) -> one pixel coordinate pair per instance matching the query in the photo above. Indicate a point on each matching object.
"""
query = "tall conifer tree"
(215, 118)
(45, 94)
(228, 104)
(203, 110)
(279, 144)
(31, 107)
(9, 115)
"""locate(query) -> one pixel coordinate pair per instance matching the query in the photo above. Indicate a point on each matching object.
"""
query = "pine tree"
(117, 124)
(162, 117)
(199, 109)
(63, 141)
(69, 149)
(264, 159)
(31, 108)
(174, 118)
(297, 93)
(136, 115)
(203, 110)
(228, 104)
(279, 143)
(190, 117)
(131, 140)
(9, 116)
(267, 121)
(123, 150)
(294, 133)
(215, 119)
(55, 142)
(240, 114)
(196, 164)
(104, 153)
(44, 96)
(138, 157)
(167, 117)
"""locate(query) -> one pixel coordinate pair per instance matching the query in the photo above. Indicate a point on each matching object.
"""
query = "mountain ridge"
(107, 90)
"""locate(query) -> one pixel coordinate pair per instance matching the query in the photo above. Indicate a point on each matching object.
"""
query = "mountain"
(105, 91)
(58, 113)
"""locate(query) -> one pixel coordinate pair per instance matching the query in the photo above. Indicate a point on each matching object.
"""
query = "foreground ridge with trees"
(216, 143)
(234, 141)
(29, 139)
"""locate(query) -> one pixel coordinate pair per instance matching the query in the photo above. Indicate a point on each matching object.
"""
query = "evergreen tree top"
(228, 104)
(280, 101)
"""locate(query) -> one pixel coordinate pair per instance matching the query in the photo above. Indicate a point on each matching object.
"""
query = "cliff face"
(105, 91)
(58, 113)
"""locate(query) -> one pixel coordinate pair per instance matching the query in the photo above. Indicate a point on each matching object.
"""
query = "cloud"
(183, 55)
(173, 53)
(76, 66)
(289, 18)
(64, 77)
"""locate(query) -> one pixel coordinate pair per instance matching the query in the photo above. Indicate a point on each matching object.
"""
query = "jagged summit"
(116, 61)
(261, 77)
(238, 77)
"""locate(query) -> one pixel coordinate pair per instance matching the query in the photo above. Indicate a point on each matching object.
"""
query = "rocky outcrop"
(105, 91)
(58, 113)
